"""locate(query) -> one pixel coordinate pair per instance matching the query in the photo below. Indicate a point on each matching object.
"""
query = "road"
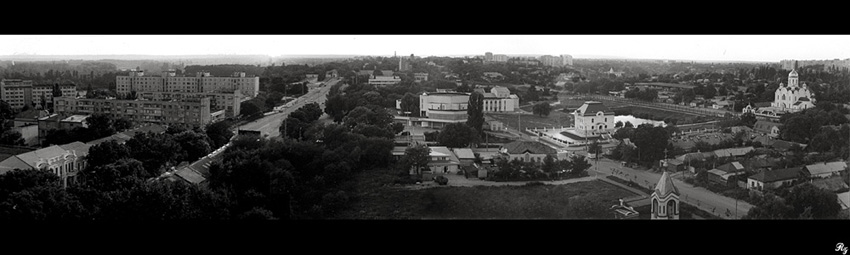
(270, 124)
(696, 196)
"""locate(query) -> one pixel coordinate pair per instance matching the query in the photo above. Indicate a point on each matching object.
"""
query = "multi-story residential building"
(548, 60)
(404, 63)
(194, 111)
(202, 82)
(383, 80)
(19, 93)
(500, 58)
(566, 60)
(488, 56)
(500, 99)
(229, 102)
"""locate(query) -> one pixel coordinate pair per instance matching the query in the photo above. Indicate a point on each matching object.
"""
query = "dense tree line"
(549, 168)
(99, 126)
(804, 201)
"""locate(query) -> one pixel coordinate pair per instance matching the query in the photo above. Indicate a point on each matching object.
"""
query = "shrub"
(532, 184)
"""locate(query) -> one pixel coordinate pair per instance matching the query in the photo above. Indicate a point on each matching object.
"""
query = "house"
(724, 174)
(824, 169)
(465, 156)
(331, 74)
(74, 121)
(527, 151)
(733, 152)
(759, 164)
(443, 160)
(64, 162)
(673, 165)
(774, 178)
(768, 127)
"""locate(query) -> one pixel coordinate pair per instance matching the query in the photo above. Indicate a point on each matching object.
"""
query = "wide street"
(696, 196)
(270, 124)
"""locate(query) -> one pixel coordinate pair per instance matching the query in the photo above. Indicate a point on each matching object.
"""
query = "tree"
(219, 133)
(101, 125)
(249, 109)
(748, 119)
(821, 204)
(115, 175)
(579, 165)
(542, 109)
(550, 165)
(11, 137)
(22, 179)
(410, 103)
(475, 112)
(415, 157)
(770, 207)
(196, 145)
(106, 153)
(650, 141)
(155, 151)
(619, 124)
(457, 135)
(594, 148)
(629, 124)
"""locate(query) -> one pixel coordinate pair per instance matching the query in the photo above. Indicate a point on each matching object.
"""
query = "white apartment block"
(384, 80)
(18, 92)
(202, 82)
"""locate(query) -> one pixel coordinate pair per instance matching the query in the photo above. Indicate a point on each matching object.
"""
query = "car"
(442, 180)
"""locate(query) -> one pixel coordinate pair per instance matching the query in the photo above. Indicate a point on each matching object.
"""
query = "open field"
(556, 118)
(580, 200)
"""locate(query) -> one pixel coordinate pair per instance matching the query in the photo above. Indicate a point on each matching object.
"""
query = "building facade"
(527, 151)
(793, 97)
(19, 93)
(229, 102)
(566, 60)
(420, 77)
(194, 111)
(65, 161)
(500, 99)
(202, 82)
(383, 80)
(593, 119)
(440, 108)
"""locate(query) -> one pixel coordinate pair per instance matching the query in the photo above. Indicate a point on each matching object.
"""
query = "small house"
(825, 170)
(774, 178)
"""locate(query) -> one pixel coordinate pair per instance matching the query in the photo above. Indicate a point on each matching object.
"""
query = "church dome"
(793, 73)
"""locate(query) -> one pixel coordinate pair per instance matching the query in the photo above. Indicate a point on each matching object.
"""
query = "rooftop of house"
(533, 147)
(778, 175)
(76, 118)
(464, 153)
(590, 108)
(826, 168)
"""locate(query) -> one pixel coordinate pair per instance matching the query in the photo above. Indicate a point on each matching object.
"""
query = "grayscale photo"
(147, 128)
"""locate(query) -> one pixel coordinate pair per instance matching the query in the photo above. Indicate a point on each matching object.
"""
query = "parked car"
(442, 180)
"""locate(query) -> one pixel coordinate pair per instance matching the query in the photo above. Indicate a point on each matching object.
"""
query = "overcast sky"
(686, 47)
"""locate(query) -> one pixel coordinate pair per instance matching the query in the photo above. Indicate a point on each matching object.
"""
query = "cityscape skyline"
(721, 48)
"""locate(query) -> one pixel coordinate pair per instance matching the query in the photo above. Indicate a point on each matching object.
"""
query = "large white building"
(202, 82)
(786, 99)
(593, 119)
(440, 108)
(566, 60)
(500, 99)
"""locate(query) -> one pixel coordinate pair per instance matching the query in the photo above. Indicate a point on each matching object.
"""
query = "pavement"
(270, 124)
(696, 196)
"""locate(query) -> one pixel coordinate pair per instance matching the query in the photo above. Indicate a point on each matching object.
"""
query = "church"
(786, 99)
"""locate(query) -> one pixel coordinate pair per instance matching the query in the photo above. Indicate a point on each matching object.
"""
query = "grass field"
(582, 200)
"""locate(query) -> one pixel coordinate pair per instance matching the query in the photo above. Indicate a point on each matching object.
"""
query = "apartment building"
(194, 111)
(19, 93)
(228, 102)
(202, 82)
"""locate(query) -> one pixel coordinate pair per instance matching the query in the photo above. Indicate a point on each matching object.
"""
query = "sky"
(768, 48)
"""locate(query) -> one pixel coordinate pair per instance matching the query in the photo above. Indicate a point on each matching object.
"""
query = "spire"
(665, 186)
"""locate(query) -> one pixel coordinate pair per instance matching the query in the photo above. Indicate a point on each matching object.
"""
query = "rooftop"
(464, 153)
(665, 186)
(826, 168)
(590, 108)
(778, 175)
(520, 147)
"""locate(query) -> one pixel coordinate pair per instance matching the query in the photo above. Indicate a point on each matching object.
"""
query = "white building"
(384, 80)
(566, 60)
(63, 160)
(593, 119)
(440, 108)
(665, 199)
(201, 82)
(420, 77)
(500, 99)
(500, 58)
(793, 98)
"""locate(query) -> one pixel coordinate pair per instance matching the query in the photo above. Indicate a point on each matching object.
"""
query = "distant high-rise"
(488, 56)
(566, 60)
(404, 64)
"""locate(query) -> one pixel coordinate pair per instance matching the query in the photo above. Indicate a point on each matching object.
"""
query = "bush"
(535, 183)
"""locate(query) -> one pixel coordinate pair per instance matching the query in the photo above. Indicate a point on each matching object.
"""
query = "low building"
(825, 170)
(768, 127)
(331, 74)
(500, 99)
(65, 163)
(726, 173)
(443, 160)
(733, 152)
(312, 76)
(527, 151)
(844, 200)
(74, 121)
(420, 77)
(774, 178)
(465, 156)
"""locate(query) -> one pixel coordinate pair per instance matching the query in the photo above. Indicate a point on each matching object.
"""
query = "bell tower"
(665, 199)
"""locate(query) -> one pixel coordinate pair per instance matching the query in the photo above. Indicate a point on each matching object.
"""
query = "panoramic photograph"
(149, 128)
